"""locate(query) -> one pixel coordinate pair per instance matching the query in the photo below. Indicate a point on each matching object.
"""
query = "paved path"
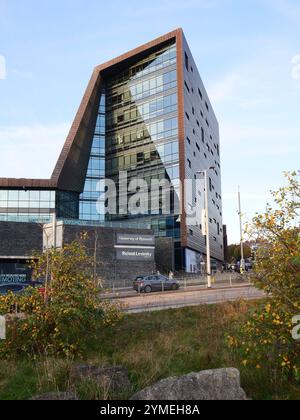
(167, 300)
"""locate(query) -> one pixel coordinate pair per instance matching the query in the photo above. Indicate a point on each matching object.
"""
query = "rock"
(113, 378)
(219, 384)
(56, 396)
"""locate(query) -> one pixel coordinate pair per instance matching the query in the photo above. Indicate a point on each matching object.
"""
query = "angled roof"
(70, 170)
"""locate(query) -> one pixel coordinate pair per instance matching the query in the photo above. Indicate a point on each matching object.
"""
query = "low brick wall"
(113, 272)
(20, 239)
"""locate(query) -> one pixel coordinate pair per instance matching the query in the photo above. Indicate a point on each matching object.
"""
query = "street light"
(205, 172)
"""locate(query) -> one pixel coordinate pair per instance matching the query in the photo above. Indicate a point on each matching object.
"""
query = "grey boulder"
(218, 384)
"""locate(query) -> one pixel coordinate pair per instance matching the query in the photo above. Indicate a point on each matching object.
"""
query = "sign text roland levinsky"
(135, 247)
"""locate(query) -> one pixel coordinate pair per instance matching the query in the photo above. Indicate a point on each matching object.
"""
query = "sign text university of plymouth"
(134, 247)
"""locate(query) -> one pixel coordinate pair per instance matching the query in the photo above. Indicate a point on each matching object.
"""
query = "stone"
(218, 384)
(113, 378)
(56, 396)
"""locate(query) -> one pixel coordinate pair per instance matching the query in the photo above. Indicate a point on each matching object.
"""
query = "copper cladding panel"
(70, 161)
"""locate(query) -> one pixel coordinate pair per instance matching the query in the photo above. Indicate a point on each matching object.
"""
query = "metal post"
(54, 229)
(208, 263)
(242, 267)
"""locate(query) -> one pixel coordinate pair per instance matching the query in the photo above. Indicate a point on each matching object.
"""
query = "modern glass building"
(146, 114)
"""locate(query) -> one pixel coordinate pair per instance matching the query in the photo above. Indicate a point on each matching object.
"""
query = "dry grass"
(152, 346)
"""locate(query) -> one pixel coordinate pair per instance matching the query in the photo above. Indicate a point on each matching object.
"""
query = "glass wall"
(26, 206)
(95, 172)
(37, 205)
(141, 130)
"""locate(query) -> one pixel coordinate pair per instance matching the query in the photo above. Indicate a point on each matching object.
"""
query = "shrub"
(63, 318)
(266, 339)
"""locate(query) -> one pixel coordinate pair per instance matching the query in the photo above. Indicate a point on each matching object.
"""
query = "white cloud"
(30, 152)
(2, 68)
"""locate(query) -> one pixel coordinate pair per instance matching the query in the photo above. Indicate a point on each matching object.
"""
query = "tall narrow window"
(186, 61)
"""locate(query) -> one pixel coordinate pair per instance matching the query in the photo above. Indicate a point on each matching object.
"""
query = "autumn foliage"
(68, 312)
(266, 340)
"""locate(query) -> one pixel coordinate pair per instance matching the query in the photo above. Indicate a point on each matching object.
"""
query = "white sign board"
(2, 328)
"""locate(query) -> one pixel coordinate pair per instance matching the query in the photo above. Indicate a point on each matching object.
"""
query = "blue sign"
(13, 278)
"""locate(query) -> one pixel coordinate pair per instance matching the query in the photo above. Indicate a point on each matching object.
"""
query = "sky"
(247, 52)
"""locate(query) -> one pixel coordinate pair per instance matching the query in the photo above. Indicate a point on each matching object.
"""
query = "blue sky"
(244, 51)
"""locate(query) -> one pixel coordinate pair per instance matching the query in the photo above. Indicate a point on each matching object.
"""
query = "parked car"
(154, 283)
(17, 288)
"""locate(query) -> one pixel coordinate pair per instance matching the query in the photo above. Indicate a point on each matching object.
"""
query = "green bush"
(63, 318)
(266, 338)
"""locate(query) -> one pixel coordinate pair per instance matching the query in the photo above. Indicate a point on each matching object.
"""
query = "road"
(168, 300)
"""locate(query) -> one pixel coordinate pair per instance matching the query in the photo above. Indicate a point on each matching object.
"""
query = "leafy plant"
(62, 317)
(266, 339)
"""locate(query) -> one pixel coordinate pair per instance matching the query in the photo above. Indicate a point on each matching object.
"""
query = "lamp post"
(242, 264)
(208, 263)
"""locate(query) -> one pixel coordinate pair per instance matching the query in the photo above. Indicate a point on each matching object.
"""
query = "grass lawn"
(152, 346)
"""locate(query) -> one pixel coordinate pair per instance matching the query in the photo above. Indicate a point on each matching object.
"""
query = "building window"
(186, 57)
(191, 232)
(206, 105)
(200, 93)
(187, 88)
(188, 139)
(187, 116)
(189, 163)
(202, 135)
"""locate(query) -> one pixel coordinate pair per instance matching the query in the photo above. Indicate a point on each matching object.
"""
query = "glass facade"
(26, 206)
(96, 171)
(135, 132)
(141, 132)
(37, 205)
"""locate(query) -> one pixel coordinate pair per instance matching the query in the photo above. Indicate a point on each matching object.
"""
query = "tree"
(64, 322)
(266, 339)
(234, 252)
